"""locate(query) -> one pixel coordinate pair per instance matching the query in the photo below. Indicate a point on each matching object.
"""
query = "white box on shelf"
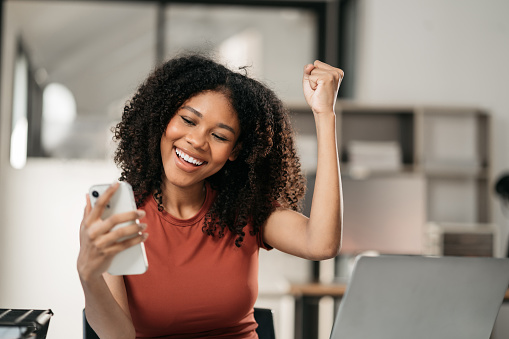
(374, 155)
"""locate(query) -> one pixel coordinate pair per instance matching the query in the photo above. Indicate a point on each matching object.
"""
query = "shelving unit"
(448, 149)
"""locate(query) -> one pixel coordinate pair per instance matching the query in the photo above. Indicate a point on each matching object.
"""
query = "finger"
(100, 228)
(119, 235)
(88, 206)
(307, 69)
(338, 73)
(323, 65)
(318, 77)
(86, 211)
(103, 200)
(324, 77)
(307, 79)
(119, 247)
(335, 72)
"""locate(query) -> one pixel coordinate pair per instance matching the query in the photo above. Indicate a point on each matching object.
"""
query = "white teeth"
(187, 158)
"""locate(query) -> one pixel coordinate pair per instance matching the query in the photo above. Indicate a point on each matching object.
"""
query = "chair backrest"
(265, 320)
(88, 332)
(263, 317)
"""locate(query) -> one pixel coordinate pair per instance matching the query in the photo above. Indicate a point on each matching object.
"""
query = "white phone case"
(132, 260)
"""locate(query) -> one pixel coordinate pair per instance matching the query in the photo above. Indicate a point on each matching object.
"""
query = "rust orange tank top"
(196, 286)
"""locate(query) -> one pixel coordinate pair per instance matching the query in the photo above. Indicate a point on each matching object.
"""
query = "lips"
(187, 158)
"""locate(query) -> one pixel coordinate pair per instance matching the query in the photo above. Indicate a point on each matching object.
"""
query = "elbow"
(325, 245)
(325, 252)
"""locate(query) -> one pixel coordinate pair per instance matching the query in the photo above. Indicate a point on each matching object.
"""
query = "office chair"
(265, 320)
(263, 317)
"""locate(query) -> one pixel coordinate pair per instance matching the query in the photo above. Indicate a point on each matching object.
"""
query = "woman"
(211, 158)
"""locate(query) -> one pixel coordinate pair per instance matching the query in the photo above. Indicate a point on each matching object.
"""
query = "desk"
(307, 297)
(333, 290)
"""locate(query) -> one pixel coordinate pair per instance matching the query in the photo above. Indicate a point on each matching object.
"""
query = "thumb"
(307, 71)
(307, 82)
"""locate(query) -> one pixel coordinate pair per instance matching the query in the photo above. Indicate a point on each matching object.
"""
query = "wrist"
(89, 278)
(325, 117)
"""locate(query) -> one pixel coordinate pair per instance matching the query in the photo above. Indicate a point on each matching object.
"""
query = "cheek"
(172, 130)
(168, 137)
(224, 153)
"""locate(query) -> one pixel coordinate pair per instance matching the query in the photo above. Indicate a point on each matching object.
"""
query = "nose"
(197, 139)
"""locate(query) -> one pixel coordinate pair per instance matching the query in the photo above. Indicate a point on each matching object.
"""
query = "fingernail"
(142, 226)
(141, 213)
(144, 236)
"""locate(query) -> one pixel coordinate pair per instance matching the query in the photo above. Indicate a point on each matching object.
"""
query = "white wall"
(41, 212)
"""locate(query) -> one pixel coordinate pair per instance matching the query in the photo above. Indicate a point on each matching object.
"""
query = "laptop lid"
(401, 297)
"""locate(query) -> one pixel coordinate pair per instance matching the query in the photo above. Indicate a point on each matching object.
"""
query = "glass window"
(19, 127)
(90, 56)
(275, 43)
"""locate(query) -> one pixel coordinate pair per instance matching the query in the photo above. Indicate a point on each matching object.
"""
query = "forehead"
(213, 105)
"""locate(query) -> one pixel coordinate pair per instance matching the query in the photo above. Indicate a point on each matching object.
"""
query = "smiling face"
(199, 139)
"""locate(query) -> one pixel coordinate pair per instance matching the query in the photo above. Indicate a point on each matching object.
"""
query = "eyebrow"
(198, 114)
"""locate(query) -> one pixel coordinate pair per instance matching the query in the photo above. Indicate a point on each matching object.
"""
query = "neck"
(183, 202)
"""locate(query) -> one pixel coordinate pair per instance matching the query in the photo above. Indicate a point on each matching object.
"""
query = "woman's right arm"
(106, 305)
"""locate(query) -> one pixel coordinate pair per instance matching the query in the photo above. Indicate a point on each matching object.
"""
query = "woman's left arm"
(319, 236)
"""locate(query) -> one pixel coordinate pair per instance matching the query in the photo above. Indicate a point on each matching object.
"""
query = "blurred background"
(422, 129)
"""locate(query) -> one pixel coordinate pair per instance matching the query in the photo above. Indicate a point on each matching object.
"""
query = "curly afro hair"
(266, 173)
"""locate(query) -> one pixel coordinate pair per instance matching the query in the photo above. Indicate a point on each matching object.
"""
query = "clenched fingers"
(321, 72)
(321, 84)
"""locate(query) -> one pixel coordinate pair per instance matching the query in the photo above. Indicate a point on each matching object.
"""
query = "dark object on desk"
(21, 324)
(263, 317)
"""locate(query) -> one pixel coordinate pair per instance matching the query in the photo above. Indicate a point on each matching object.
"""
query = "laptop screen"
(401, 297)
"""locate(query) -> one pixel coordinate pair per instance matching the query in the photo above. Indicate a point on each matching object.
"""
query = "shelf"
(403, 166)
(361, 173)
(456, 173)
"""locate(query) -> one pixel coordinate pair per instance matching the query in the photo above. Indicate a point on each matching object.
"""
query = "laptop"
(402, 297)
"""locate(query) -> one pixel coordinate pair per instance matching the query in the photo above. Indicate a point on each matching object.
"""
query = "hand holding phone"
(132, 260)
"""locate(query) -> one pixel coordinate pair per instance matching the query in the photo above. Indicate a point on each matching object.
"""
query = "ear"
(235, 152)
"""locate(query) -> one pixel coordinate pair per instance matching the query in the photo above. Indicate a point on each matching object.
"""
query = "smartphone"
(132, 260)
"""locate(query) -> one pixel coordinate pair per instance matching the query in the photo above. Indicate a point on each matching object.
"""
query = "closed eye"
(220, 138)
(187, 121)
